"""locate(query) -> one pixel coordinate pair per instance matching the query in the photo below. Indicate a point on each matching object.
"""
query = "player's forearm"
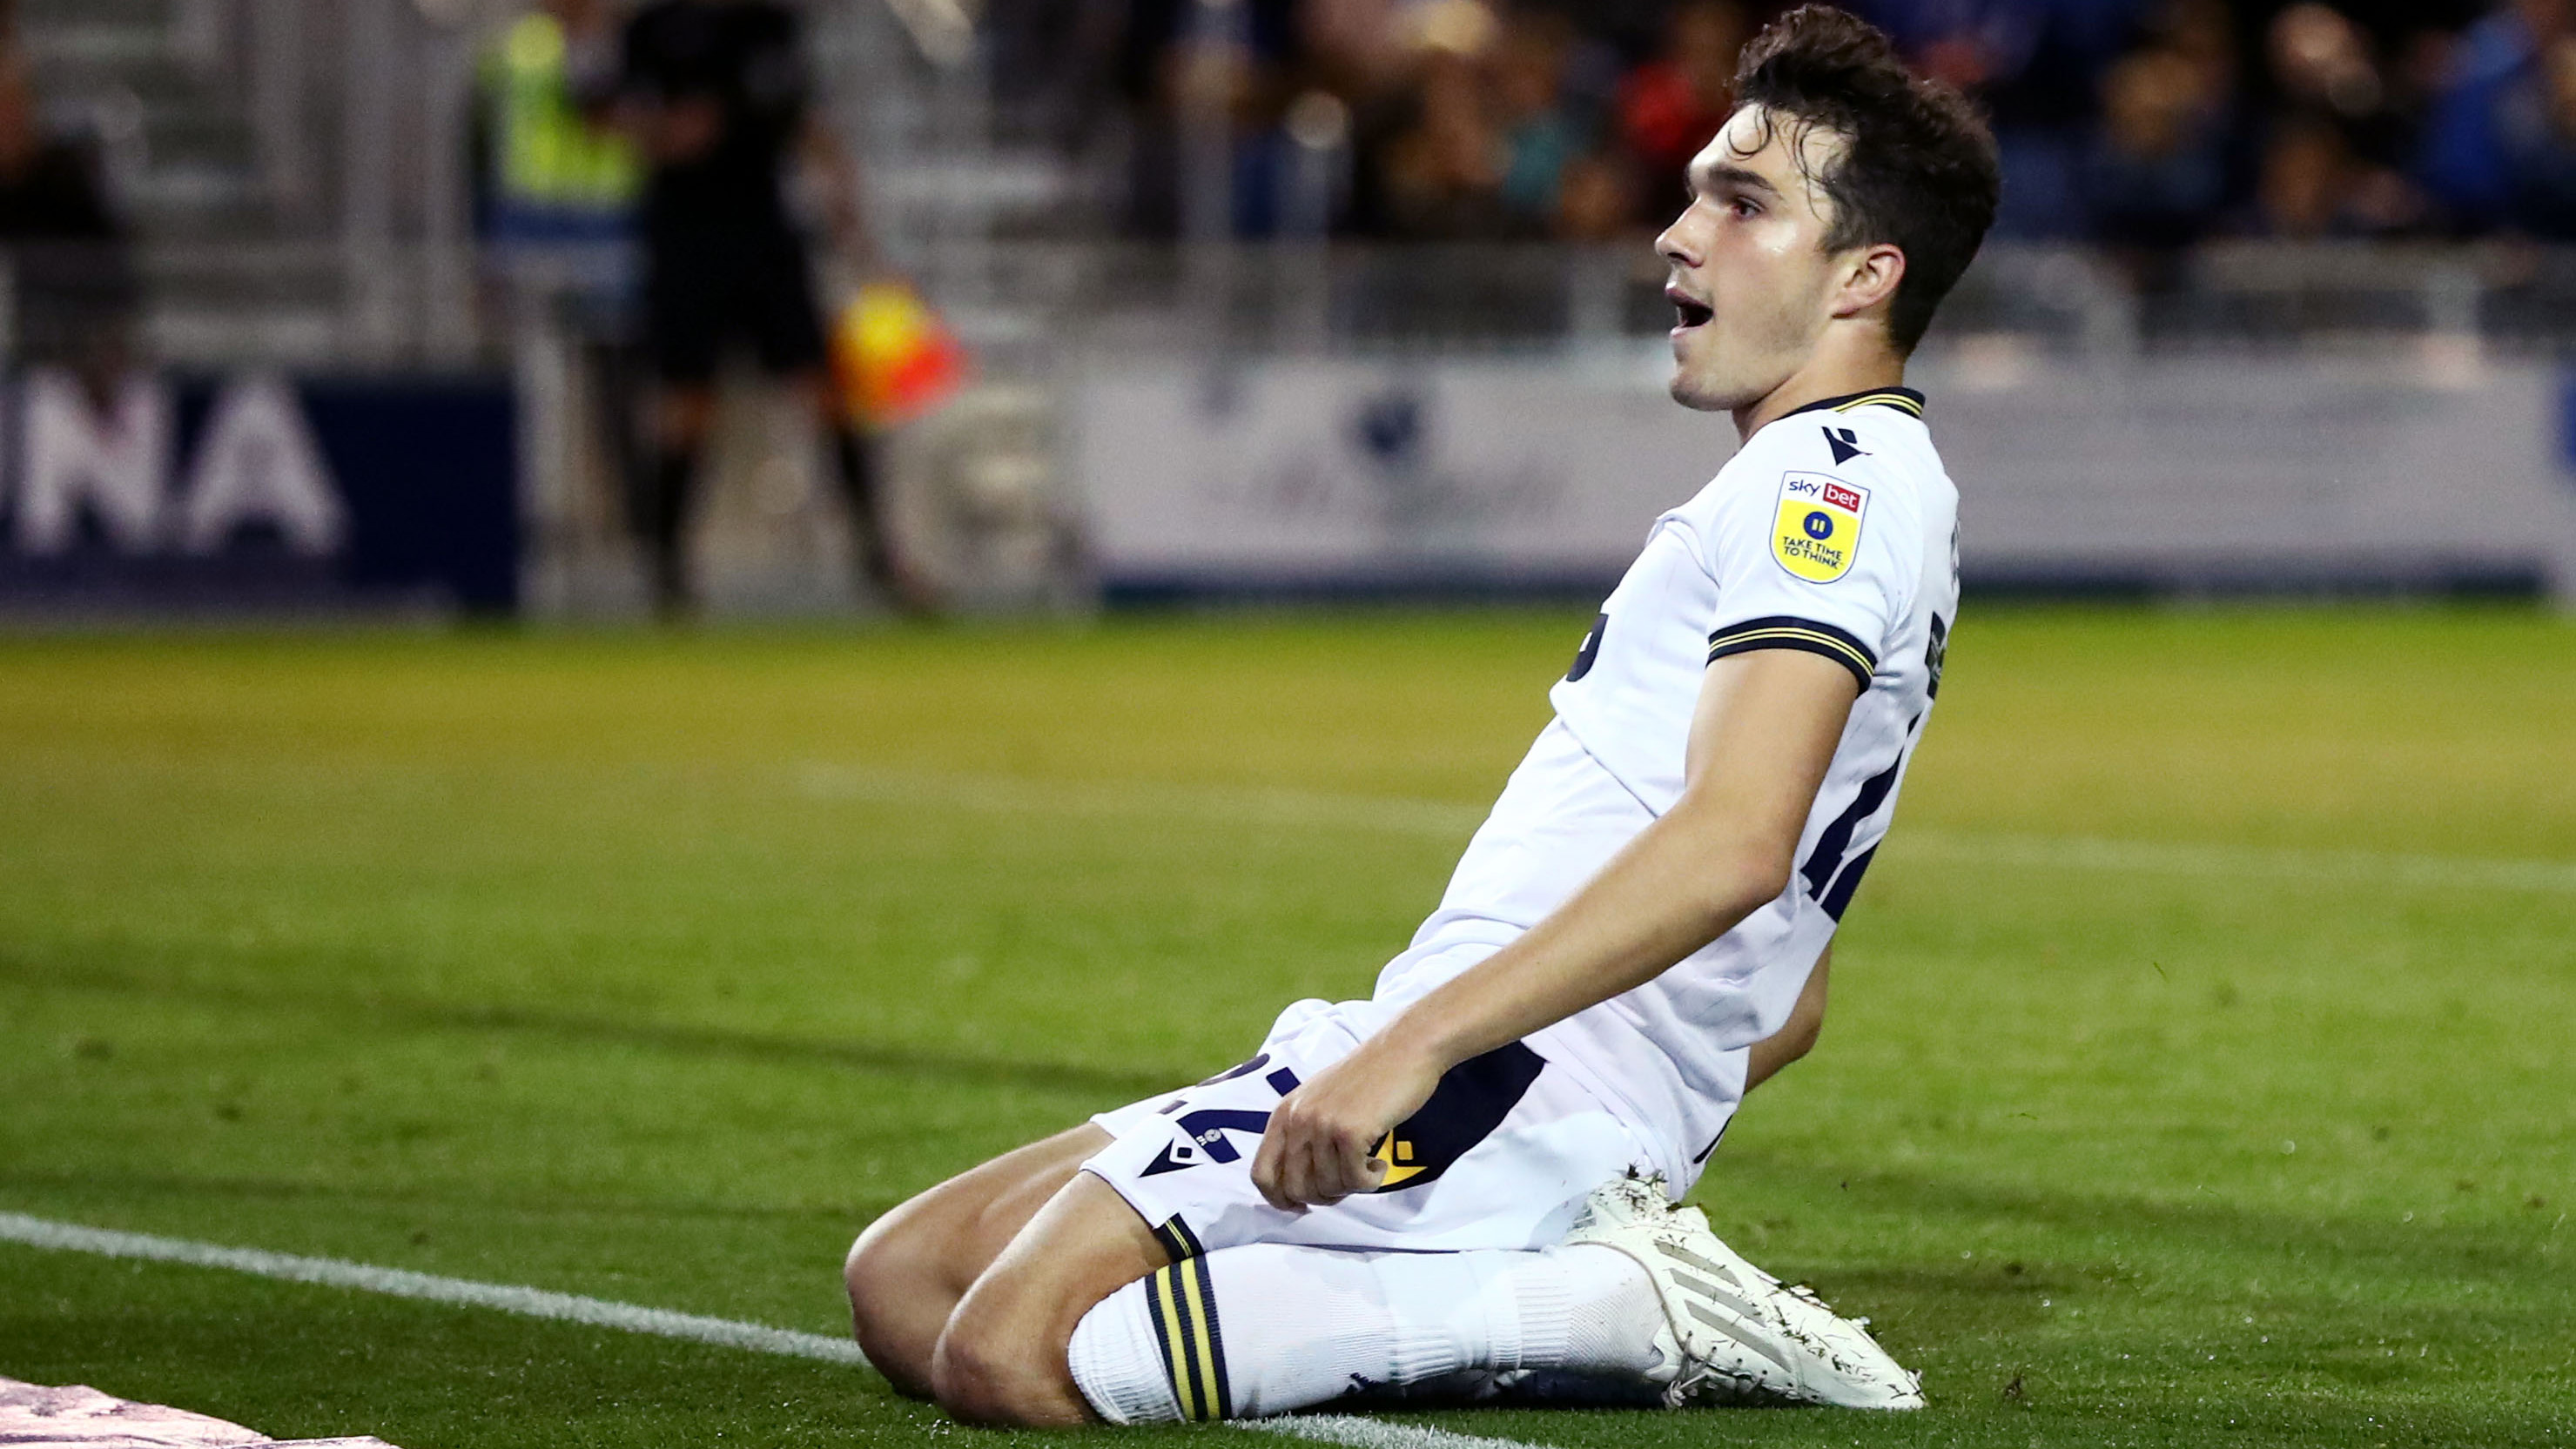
(1681, 883)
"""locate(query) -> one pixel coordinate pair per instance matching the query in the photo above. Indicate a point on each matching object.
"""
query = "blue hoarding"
(258, 490)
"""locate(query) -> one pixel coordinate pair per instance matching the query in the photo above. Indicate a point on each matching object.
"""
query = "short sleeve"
(1818, 561)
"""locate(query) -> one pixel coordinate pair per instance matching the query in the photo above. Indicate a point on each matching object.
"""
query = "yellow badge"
(1818, 532)
(1399, 1161)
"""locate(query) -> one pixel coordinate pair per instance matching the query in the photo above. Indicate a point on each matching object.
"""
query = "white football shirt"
(1833, 530)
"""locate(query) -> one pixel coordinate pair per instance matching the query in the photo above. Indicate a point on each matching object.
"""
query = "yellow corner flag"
(895, 360)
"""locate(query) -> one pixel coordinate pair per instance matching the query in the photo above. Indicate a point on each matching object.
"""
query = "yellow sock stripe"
(1840, 649)
(1200, 1293)
(1166, 1311)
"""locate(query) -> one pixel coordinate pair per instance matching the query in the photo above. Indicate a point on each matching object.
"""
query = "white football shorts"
(1501, 1156)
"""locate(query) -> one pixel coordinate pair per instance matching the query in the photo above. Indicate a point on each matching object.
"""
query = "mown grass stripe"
(1443, 820)
(602, 1313)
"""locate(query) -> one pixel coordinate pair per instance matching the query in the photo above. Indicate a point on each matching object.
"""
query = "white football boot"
(1736, 1335)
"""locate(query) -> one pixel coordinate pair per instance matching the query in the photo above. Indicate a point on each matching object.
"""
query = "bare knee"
(907, 1272)
(987, 1370)
(897, 1300)
(881, 1262)
(1001, 1357)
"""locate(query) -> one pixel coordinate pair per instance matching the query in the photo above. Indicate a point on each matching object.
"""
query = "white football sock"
(1268, 1328)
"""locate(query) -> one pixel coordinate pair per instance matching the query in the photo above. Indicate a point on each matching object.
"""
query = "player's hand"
(1316, 1149)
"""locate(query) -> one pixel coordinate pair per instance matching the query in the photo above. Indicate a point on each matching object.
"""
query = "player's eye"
(1744, 209)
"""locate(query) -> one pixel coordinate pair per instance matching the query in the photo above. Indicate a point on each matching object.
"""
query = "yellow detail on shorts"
(1396, 1154)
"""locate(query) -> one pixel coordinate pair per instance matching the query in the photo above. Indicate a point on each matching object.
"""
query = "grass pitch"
(2197, 1073)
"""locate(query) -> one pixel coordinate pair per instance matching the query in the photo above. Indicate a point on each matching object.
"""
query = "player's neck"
(1839, 367)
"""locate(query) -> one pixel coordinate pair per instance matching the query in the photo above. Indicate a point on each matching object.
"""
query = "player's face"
(1751, 282)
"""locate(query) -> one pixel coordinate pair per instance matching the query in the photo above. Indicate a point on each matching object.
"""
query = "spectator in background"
(2142, 123)
(2466, 158)
(2337, 137)
(2155, 175)
(1541, 132)
(716, 92)
(1441, 174)
(1495, 134)
(2306, 188)
(72, 268)
(1669, 107)
(555, 194)
(2537, 131)
(549, 174)
(1599, 198)
(2039, 67)
(1187, 66)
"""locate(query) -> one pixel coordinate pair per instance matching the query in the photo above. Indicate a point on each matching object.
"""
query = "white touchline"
(401, 1283)
(1443, 820)
(1375, 1433)
(602, 1313)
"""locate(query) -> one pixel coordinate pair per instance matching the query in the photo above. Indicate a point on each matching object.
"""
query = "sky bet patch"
(1819, 527)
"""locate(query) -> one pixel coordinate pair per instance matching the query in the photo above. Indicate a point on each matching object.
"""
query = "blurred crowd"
(2139, 124)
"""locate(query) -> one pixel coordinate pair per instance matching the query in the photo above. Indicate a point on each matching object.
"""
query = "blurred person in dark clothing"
(2537, 131)
(2039, 68)
(1670, 106)
(1597, 199)
(2305, 188)
(2466, 159)
(1440, 176)
(717, 95)
(75, 287)
(2336, 139)
(1543, 131)
(2155, 176)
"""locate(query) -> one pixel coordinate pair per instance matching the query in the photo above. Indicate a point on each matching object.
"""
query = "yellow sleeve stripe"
(1814, 638)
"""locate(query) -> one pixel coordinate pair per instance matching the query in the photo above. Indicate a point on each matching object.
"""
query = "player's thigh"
(942, 1240)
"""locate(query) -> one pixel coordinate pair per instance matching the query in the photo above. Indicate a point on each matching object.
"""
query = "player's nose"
(1674, 244)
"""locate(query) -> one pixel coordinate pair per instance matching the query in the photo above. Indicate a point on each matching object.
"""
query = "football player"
(1467, 1181)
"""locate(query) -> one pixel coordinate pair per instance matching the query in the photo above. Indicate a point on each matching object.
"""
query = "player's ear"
(1871, 276)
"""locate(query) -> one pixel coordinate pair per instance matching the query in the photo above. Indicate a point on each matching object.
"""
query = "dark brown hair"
(1917, 169)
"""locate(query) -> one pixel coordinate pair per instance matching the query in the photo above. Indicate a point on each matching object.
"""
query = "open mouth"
(1687, 311)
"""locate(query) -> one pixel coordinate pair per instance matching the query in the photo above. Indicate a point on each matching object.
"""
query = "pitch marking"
(1374, 1433)
(399, 1283)
(602, 1313)
(1444, 821)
